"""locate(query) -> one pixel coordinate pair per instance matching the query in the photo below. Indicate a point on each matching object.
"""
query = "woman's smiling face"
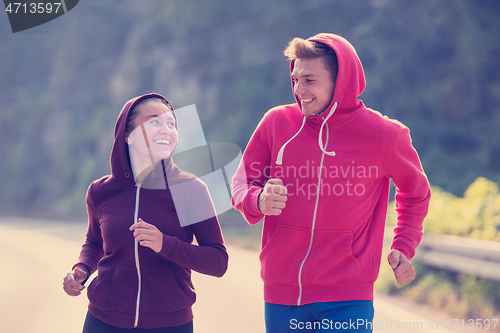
(155, 134)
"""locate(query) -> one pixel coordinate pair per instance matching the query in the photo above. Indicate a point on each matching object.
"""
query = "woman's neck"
(140, 178)
(141, 167)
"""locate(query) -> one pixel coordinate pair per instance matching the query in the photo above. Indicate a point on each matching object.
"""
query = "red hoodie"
(135, 286)
(326, 245)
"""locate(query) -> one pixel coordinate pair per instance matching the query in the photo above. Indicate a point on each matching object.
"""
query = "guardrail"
(459, 254)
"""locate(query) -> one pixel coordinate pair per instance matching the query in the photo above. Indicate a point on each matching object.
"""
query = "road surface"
(35, 255)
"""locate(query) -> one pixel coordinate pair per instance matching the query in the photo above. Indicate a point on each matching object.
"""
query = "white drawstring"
(136, 254)
(320, 137)
(279, 159)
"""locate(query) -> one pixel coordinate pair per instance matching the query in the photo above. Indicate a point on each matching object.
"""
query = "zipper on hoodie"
(136, 254)
(299, 300)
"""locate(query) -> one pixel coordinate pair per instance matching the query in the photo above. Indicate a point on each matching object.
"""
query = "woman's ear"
(128, 139)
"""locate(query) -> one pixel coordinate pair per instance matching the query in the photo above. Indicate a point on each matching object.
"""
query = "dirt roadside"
(35, 255)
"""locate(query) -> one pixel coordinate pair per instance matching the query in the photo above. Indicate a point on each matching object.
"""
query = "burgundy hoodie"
(135, 286)
(326, 245)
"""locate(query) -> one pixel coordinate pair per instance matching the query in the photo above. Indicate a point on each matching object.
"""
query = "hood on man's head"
(350, 82)
(119, 161)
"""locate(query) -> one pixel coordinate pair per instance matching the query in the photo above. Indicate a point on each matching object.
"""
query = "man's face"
(313, 85)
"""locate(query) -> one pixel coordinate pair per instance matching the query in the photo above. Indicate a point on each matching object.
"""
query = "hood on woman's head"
(120, 167)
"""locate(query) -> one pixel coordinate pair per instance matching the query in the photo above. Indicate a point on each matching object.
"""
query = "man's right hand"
(272, 199)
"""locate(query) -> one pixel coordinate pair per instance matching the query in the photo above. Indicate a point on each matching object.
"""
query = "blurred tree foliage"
(432, 64)
(458, 294)
(475, 215)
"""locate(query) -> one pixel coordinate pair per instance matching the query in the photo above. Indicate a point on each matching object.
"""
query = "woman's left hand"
(148, 235)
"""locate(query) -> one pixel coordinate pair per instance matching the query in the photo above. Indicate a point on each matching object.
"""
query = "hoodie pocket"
(166, 288)
(113, 290)
(281, 256)
(330, 259)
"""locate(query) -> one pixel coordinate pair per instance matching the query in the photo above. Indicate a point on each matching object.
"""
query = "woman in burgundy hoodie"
(142, 222)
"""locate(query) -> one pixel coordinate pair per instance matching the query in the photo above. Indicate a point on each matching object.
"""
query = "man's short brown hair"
(300, 48)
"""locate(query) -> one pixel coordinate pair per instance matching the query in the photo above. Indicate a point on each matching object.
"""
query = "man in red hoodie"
(318, 172)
